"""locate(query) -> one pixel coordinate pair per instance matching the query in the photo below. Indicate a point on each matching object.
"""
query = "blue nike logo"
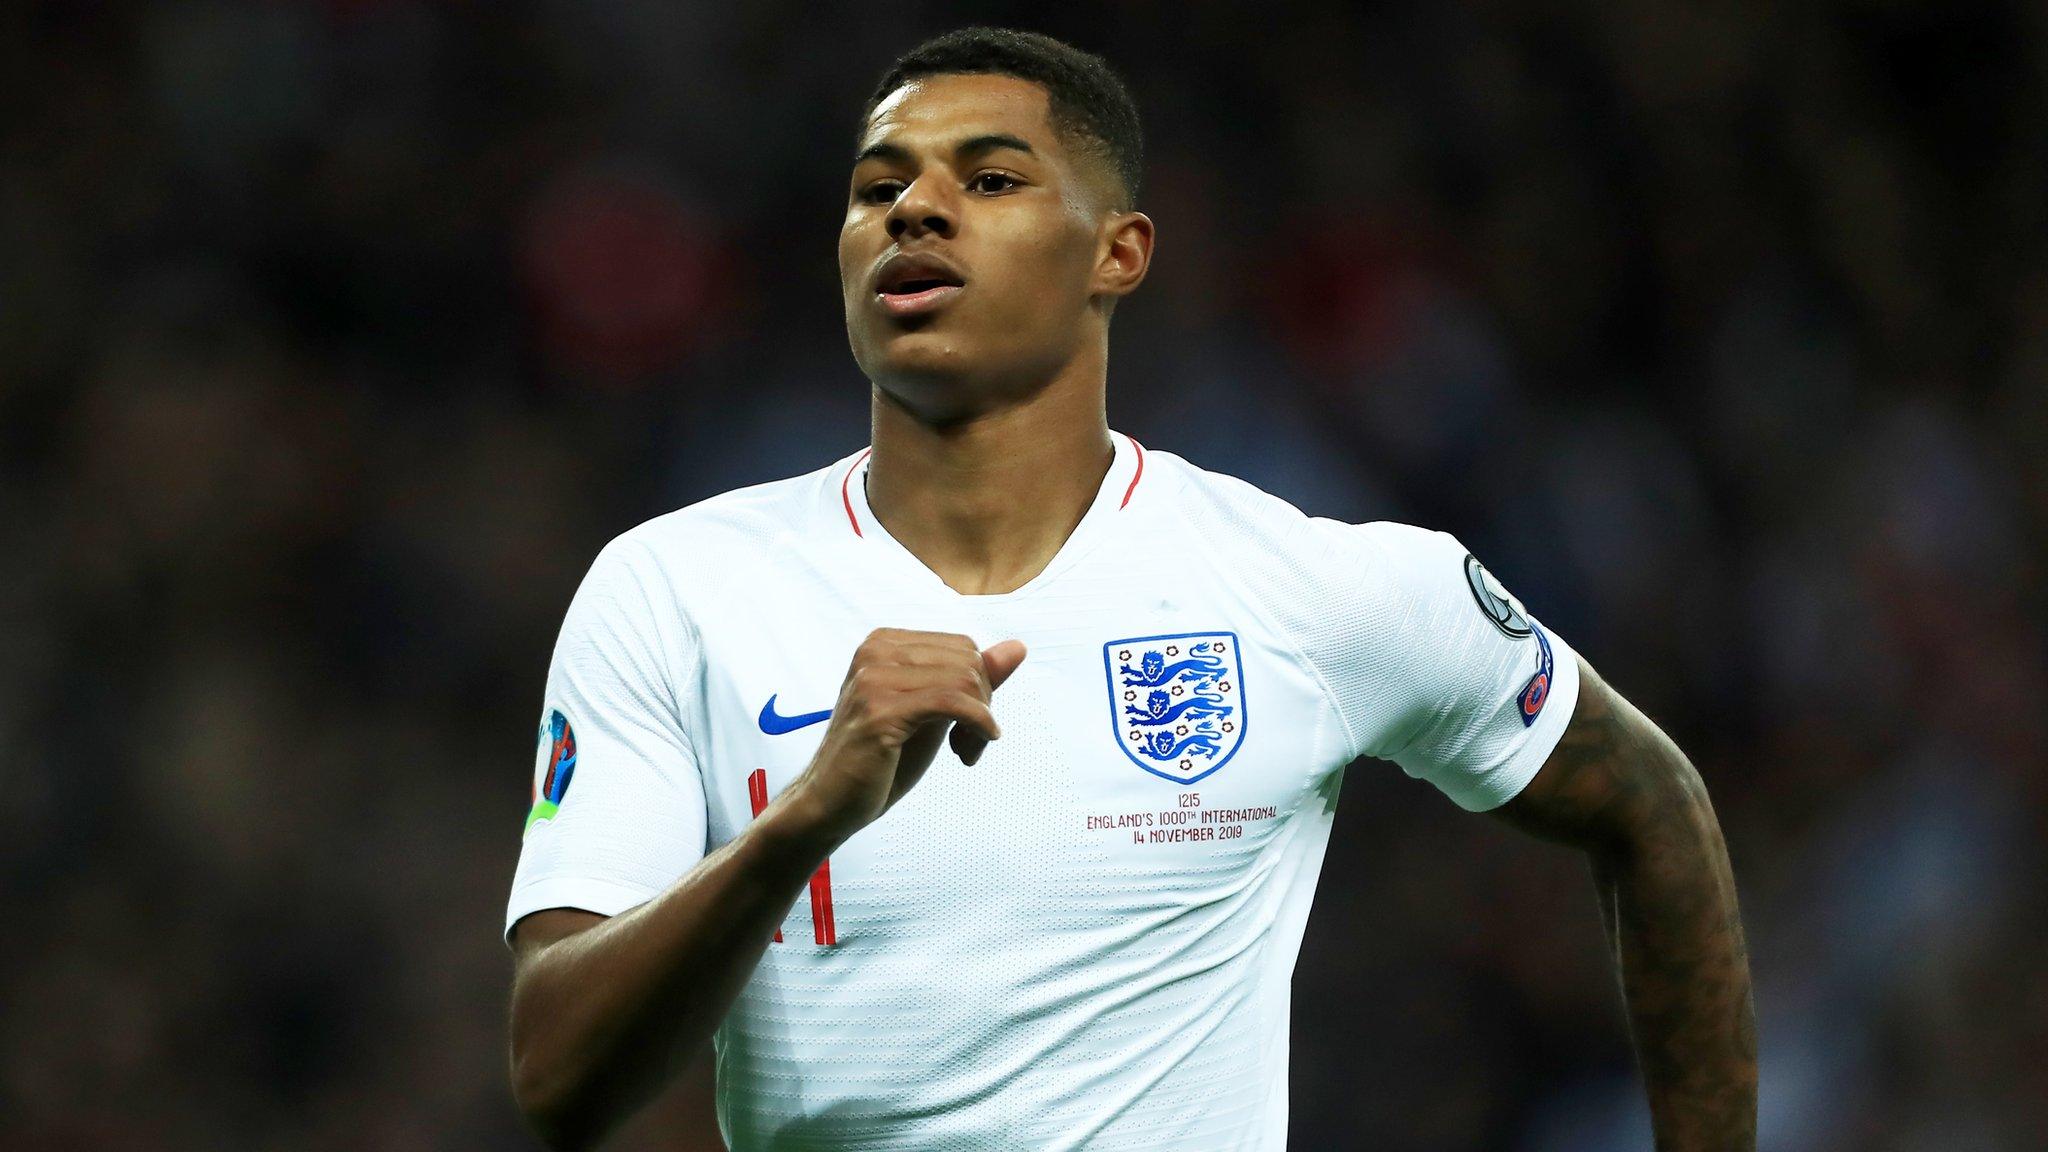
(775, 725)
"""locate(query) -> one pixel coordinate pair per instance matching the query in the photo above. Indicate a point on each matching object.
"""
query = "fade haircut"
(1088, 103)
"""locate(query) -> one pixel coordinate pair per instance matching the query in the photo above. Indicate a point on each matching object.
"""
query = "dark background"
(336, 338)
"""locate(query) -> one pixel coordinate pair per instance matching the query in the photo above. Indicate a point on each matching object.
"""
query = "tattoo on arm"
(1618, 788)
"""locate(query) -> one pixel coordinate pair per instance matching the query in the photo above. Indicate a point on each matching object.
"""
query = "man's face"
(970, 246)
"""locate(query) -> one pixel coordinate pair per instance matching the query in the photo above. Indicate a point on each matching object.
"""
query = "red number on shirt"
(821, 880)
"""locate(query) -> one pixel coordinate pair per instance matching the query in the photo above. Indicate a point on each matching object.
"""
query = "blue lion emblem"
(1177, 702)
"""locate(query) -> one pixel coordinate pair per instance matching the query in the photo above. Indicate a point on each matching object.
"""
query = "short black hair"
(1088, 100)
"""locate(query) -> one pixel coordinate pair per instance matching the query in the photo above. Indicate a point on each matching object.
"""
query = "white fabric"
(1065, 945)
(637, 818)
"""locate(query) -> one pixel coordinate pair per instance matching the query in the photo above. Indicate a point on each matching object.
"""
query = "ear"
(1124, 254)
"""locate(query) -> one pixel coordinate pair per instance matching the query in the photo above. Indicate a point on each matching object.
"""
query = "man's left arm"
(1618, 788)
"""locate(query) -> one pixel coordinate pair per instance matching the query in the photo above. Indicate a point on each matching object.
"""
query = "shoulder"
(1221, 502)
(682, 556)
(1269, 541)
(711, 534)
(752, 517)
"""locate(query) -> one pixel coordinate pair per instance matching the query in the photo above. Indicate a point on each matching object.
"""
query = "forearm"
(600, 1010)
(1668, 897)
(598, 1016)
(1619, 789)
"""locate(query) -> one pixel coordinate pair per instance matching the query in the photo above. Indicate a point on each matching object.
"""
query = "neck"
(987, 501)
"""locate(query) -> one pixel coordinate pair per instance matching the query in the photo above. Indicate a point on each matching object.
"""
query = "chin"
(928, 354)
(916, 362)
(935, 393)
(939, 377)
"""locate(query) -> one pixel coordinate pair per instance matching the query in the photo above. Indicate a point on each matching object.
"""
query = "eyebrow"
(967, 149)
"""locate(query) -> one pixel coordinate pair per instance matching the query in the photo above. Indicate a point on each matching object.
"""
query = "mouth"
(910, 302)
(910, 285)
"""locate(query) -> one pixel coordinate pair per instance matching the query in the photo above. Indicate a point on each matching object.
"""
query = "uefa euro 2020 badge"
(1177, 702)
(551, 784)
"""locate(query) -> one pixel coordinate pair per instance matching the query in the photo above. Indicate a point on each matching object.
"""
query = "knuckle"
(877, 642)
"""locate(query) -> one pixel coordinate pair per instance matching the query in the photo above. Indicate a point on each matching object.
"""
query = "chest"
(1155, 745)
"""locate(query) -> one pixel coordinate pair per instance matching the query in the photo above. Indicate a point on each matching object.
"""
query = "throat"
(984, 529)
(988, 551)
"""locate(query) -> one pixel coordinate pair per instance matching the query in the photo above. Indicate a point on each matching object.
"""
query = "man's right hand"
(601, 1006)
(902, 693)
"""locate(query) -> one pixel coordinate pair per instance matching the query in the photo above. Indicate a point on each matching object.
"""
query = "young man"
(1039, 732)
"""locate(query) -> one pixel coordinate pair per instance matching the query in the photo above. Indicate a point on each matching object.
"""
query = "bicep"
(536, 931)
(1612, 772)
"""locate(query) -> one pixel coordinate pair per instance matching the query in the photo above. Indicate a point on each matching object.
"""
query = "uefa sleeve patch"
(1537, 691)
(1505, 613)
(1500, 608)
(560, 742)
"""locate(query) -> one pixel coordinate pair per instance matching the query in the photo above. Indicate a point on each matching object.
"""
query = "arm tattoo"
(1618, 788)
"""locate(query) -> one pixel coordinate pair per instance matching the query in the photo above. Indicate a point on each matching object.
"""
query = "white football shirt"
(1086, 939)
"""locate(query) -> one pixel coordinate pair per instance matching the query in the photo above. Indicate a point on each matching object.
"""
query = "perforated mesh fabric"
(632, 815)
(1069, 944)
(1386, 617)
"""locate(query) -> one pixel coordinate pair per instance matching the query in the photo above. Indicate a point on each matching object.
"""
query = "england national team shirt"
(1086, 939)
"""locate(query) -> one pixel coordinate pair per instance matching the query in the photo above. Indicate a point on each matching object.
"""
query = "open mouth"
(918, 284)
(910, 285)
(913, 278)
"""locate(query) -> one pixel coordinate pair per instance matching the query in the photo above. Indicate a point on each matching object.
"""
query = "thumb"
(999, 660)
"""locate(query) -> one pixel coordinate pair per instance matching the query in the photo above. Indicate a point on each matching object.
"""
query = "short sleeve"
(618, 805)
(1433, 665)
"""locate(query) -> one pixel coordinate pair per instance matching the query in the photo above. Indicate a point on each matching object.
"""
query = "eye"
(991, 182)
(882, 192)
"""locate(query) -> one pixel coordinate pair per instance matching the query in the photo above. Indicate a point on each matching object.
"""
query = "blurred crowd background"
(336, 338)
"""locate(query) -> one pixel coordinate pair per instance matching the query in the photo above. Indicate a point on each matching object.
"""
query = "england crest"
(1176, 702)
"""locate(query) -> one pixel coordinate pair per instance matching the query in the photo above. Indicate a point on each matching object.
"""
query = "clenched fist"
(902, 693)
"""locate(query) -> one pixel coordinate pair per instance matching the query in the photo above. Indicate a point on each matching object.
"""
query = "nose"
(922, 208)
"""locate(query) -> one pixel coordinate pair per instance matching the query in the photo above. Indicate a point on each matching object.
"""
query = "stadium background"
(336, 338)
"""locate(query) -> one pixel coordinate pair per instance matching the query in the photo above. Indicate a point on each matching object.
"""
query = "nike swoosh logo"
(775, 725)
